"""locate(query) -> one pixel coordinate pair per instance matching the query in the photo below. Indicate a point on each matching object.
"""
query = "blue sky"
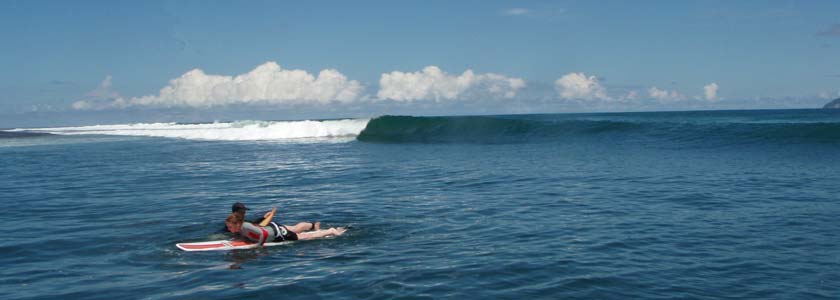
(108, 60)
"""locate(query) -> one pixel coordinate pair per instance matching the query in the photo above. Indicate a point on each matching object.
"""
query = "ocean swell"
(513, 129)
(20, 134)
(690, 131)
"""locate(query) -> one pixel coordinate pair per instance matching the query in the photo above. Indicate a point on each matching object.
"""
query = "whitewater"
(222, 131)
(685, 130)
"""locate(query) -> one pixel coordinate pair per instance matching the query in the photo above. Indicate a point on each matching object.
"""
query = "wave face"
(222, 131)
(639, 128)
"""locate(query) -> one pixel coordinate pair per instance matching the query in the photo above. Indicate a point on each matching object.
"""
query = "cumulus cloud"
(433, 83)
(710, 91)
(104, 89)
(99, 98)
(664, 95)
(579, 86)
(630, 96)
(82, 105)
(267, 83)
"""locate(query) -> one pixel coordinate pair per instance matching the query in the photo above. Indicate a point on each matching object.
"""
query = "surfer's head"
(238, 207)
(234, 222)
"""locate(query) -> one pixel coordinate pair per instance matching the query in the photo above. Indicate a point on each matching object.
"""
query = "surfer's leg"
(321, 233)
(304, 226)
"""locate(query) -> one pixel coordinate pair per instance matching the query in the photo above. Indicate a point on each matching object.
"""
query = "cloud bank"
(664, 95)
(434, 84)
(267, 83)
(579, 86)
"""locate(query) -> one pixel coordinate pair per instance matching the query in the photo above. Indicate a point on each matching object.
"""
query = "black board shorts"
(281, 233)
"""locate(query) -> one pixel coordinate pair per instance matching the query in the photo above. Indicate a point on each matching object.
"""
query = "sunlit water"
(601, 214)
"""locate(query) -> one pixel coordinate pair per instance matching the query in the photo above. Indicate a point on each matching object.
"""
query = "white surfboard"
(223, 245)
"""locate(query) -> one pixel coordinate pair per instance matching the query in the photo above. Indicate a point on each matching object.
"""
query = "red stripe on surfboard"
(204, 246)
(215, 245)
(240, 243)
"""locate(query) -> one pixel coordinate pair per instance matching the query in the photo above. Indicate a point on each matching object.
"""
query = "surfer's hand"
(273, 210)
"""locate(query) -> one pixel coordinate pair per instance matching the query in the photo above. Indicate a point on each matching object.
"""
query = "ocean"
(660, 205)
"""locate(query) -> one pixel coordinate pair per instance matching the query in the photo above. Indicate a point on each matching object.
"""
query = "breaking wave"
(691, 129)
(221, 131)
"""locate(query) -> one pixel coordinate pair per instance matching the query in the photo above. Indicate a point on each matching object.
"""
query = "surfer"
(267, 231)
(240, 209)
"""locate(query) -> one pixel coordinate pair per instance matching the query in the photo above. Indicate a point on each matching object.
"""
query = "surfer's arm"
(268, 217)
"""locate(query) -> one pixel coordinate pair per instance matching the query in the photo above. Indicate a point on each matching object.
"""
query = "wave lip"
(222, 131)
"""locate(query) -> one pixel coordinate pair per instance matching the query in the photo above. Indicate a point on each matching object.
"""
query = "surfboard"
(223, 245)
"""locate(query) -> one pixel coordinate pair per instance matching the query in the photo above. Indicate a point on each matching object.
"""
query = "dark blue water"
(694, 205)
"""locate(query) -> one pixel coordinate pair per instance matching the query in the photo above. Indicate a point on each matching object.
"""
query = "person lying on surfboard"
(240, 209)
(267, 231)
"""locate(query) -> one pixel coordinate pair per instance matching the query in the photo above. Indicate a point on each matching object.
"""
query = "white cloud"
(517, 11)
(433, 83)
(710, 91)
(42, 108)
(267, 83)
(82, 105)
(579, 86)
(828, 95)
(631, 95)
(664, 95)
(98, 98)
(104, 90)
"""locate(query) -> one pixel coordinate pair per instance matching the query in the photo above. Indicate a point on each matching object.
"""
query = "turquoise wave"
(515, 129)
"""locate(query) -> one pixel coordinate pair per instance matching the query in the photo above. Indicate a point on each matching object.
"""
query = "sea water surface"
(689, 205)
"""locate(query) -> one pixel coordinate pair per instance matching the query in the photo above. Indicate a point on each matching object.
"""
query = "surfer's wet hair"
(234, 219)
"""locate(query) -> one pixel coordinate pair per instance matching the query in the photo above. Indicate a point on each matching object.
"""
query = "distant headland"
(833, 104)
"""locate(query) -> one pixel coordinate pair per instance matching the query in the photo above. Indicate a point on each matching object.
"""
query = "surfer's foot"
(338, 231)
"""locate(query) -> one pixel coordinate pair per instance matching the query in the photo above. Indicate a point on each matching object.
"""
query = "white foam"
(224, 131)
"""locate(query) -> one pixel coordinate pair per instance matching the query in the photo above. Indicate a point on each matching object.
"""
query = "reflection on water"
(240, 257)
